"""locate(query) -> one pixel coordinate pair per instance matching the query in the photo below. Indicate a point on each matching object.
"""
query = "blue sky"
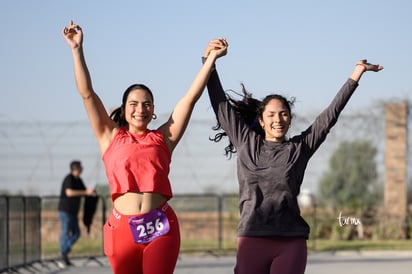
(304, 49)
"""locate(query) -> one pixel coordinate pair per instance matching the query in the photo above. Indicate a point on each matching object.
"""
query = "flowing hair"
(250, 110)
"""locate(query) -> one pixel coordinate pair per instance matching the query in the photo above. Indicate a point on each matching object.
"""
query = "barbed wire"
(35, 156)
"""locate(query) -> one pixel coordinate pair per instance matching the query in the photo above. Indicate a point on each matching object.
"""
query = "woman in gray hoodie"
(270, 167)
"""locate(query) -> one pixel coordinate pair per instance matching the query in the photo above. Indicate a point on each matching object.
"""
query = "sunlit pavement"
(318, 263)
(376, 262)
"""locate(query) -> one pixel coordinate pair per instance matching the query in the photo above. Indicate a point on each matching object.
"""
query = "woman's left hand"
(368, 66)
(217, 47)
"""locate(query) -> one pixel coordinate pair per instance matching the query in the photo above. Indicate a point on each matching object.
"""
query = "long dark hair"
(117, 114)
(250, 110)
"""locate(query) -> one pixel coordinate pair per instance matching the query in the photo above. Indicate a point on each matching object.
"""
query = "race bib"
(149, 226)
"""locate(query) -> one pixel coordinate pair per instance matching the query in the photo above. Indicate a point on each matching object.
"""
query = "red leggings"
(271, 255)
(125, 256)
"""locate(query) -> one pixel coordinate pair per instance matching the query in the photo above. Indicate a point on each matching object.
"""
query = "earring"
(154, 116)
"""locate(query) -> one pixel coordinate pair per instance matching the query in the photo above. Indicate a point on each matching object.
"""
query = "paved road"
(377, 262)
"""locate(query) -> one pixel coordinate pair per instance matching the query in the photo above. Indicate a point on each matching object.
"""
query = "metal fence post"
(4, 237)
(104, 209)
(220, 221)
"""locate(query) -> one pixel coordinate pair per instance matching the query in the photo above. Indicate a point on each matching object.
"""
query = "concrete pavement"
(377, 262)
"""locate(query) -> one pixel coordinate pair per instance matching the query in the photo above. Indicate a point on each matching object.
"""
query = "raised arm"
(320, 128)
(227, 117)
(174, 128)
(101, 123)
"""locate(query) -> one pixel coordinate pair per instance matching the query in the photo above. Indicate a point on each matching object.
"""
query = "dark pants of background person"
(70, 231)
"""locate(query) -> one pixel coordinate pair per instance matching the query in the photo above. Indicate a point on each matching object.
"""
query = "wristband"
(363, 65)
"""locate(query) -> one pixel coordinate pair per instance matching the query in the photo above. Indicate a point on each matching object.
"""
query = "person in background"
(142, 234)
(271, 233)
(72, 190)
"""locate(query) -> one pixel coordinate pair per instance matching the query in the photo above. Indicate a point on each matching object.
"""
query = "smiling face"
(139, 110)
(275, 120)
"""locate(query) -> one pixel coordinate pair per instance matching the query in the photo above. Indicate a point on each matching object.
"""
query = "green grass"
(359, 245)
(89, 247)
(84, 247)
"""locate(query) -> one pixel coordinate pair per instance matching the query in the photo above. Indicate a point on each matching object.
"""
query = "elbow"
(86, 95)
(69, 193)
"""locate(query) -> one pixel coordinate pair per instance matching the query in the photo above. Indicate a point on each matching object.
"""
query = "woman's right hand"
(217, 48)
(73, 35)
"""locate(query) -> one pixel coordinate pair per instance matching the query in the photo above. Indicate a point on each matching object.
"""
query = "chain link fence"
(31, 228)
(35, 156)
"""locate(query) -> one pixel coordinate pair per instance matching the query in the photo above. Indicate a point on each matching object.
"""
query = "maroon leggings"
(271, 255)
(125, 256)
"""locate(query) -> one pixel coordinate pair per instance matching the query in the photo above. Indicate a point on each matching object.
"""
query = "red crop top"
(138, 163)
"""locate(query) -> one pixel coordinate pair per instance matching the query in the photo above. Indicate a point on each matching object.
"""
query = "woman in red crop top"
(142, 235)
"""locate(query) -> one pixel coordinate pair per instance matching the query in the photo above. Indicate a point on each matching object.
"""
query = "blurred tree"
(4, 192)
(103, 189)
(350, 181)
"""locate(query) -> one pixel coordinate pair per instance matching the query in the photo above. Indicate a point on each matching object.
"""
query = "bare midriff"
(132, 203)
